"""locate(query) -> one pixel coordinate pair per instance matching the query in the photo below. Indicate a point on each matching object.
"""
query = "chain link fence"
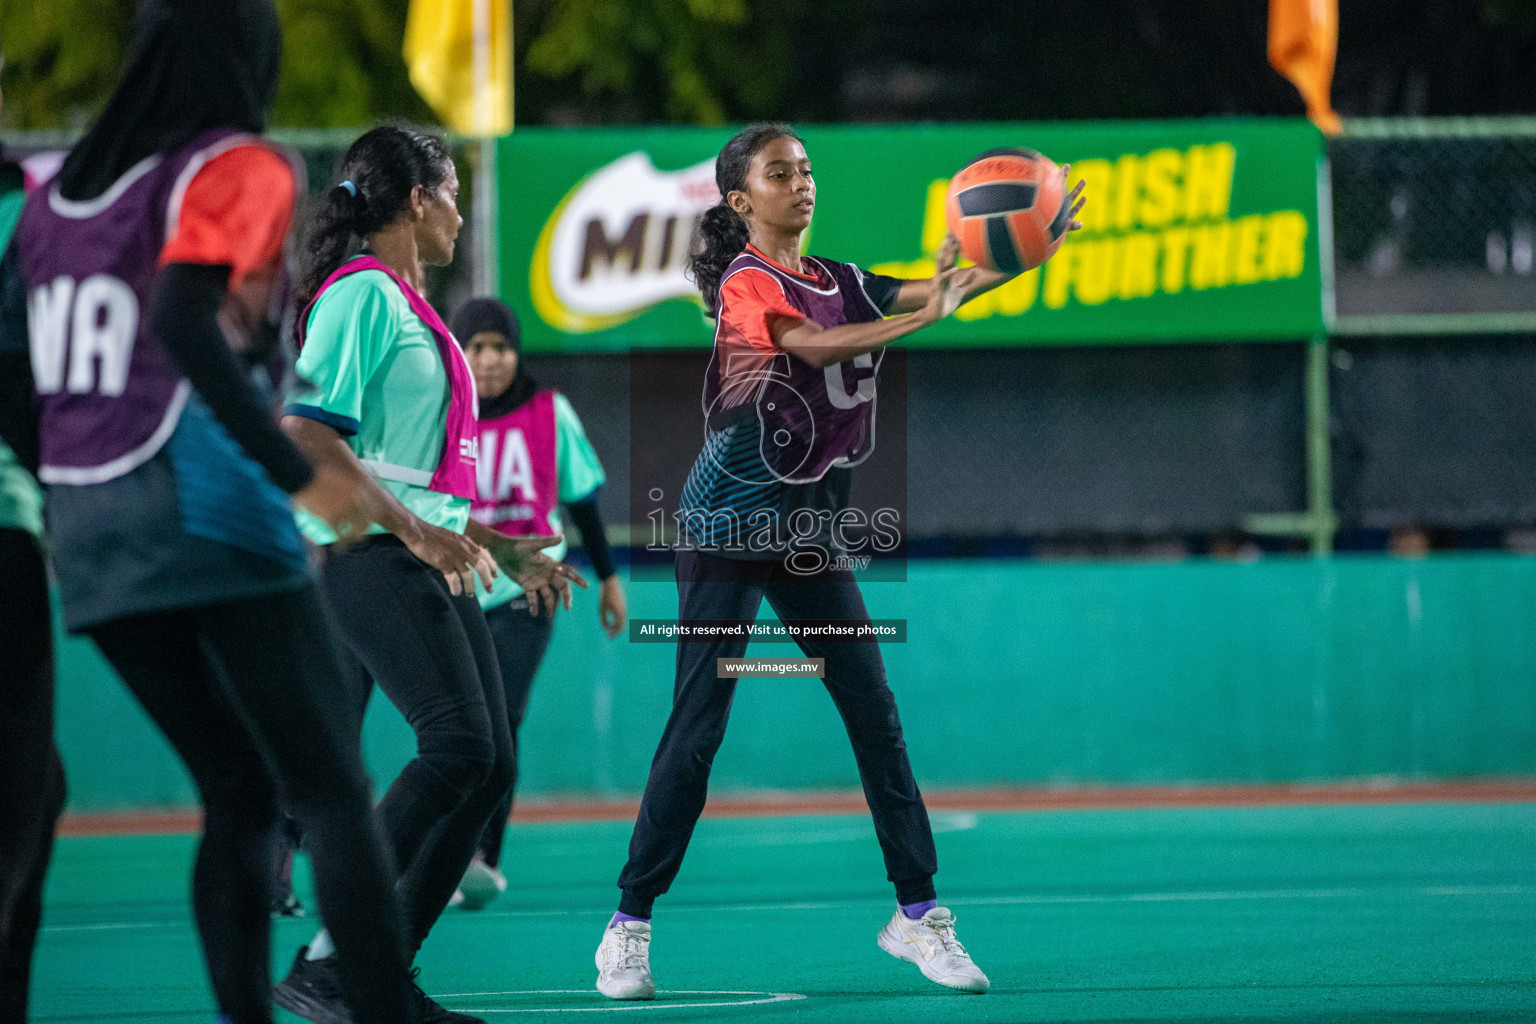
(1435, 219)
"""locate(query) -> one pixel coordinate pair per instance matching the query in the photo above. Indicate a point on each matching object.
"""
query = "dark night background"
(981, 60)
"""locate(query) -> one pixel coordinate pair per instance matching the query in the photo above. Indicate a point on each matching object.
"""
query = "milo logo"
(618, 242)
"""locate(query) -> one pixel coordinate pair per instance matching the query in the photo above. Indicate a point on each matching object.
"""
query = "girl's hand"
(612, 611)
(1075, 198)
(944, 297)
(454, 555)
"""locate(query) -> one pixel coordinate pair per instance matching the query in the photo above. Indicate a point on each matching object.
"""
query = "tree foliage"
(61, 59)
(709, 61)
(342, 62)
(684, 61)
(702, 61)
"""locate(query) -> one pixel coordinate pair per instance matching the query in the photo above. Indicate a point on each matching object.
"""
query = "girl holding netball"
(790, 398)
(148, 260)
(534, 458)
(387, 394)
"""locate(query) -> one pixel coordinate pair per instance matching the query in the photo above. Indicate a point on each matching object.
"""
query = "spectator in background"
(1409, 542)
(1231, 546)
(534, 457)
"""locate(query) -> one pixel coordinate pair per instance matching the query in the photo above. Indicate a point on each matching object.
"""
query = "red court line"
(1000, 799)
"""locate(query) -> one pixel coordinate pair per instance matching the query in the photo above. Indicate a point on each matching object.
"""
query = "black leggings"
(521, 641)
(721, 588)
(31, 775)
(431, 654)
(250, 694)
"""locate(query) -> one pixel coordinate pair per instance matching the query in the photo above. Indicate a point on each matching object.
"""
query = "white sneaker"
(930, 943)
(481, 884)
(457, 898)
(624, 961)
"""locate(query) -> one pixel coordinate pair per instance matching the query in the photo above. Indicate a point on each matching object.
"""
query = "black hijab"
(496, 316)
(192, 66)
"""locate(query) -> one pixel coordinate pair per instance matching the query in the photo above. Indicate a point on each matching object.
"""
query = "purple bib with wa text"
(110, 395)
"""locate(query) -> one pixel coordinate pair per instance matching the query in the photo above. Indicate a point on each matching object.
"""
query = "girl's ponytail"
(724, 235)
(379, 172)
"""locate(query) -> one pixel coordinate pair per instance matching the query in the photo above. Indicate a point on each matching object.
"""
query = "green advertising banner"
(1193, 230)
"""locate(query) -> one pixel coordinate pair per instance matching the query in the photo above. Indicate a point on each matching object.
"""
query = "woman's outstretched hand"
(946, 295)
(545, 581)
(1074, 199)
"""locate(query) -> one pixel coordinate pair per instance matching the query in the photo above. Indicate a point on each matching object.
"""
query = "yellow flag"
(1303, 40)
(459, 53)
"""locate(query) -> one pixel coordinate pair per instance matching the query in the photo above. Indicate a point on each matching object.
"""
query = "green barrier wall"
(1023, 673)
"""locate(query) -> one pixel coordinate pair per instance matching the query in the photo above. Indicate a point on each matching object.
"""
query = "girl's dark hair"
(377, 174)
(722, 234)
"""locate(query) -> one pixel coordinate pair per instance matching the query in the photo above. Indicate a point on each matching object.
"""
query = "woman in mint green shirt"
(385, 396)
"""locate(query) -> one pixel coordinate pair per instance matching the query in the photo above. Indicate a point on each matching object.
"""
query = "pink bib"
(519, 480)
(455, 473)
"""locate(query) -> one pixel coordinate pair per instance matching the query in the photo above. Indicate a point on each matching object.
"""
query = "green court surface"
(1411, 913)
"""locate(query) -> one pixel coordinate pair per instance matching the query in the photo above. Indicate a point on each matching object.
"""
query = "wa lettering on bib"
(110, 395)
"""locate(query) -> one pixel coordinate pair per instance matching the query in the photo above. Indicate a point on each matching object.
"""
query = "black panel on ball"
(1059, 222)
(997, 197)
(1000, 246)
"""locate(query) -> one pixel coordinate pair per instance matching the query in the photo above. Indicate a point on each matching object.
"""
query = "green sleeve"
(580, 472)
(350, 330)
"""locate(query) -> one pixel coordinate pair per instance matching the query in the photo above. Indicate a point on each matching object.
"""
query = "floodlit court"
(660, 510)
(1415, 912)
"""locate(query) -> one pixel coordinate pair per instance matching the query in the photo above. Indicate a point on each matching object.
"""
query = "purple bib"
(110, 395)
(812, 419)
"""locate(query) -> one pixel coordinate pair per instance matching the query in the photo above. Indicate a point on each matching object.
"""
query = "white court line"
(770, 997)
(120, 926)
(1252, 894)
(1191, 896)
(1188, 896)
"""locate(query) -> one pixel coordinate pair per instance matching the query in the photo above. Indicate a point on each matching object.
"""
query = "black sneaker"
(425, 1010)
(312, 990)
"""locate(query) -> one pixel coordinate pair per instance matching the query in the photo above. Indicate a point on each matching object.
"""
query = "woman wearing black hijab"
(535, 459)
(172, 535)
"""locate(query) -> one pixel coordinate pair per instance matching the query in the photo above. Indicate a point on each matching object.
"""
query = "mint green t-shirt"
(578, 473)
(21, 504)
(370, 369)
